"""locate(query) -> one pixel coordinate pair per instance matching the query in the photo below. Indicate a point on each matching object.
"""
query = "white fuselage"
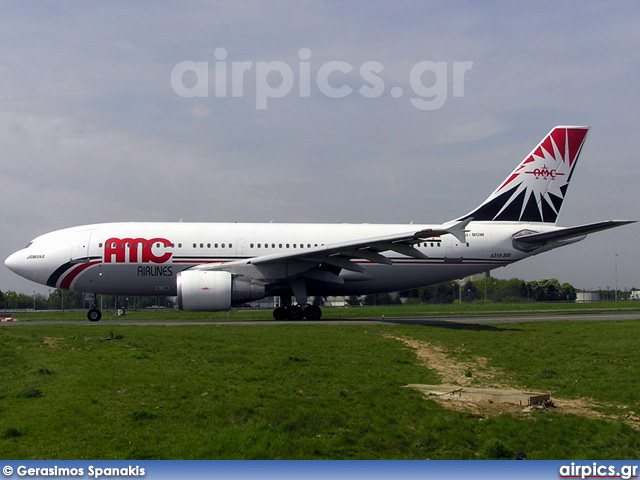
(145, 258)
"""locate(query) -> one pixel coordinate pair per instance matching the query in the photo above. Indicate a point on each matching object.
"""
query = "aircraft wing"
(281, 266)
(535, 240)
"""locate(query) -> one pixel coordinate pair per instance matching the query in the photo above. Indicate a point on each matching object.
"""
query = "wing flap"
(323, 276)
(401, 248)
(336, 261)
(370, 255)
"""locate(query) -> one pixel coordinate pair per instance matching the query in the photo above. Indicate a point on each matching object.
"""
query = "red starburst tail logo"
(535, 190)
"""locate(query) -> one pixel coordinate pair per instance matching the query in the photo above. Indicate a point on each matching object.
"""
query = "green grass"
(590, 360)
(303, 391)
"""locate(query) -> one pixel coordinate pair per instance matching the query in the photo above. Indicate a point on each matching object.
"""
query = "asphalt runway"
(448, 320)
(483, 319)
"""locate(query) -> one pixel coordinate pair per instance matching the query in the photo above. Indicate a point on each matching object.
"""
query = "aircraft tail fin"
(535, 190)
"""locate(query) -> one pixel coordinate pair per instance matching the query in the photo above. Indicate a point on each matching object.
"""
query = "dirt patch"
(477, 373)
(51, 342)
(456, 372)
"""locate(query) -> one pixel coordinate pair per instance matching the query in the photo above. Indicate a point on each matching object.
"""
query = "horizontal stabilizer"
(532, 240)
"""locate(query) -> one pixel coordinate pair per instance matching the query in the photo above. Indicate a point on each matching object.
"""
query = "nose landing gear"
(94, 314)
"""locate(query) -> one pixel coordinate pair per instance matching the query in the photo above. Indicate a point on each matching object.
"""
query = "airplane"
(214, 266)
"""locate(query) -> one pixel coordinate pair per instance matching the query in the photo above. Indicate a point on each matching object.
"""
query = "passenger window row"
(166, 245)
(252, 245)
(210, 245)
(281, 245)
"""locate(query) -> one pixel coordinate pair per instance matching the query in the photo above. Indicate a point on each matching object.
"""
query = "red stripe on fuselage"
(71, 276)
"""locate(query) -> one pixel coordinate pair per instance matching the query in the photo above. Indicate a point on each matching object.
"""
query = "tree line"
(487, 290)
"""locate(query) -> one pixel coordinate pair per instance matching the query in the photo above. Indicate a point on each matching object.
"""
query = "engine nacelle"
(213, 291)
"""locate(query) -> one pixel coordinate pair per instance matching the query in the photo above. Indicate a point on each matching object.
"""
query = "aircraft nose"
(21, 263)
(14, 262)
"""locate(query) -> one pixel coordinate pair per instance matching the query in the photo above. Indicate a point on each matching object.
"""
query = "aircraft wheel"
(295, 313)
(94, 315)
(313, 312)
(280, 313)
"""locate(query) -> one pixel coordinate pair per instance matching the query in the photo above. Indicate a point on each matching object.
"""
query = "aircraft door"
(453, 249)
(80, 249)
(241, 248)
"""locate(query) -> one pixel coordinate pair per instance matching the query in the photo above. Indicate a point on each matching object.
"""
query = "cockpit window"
(29, 244)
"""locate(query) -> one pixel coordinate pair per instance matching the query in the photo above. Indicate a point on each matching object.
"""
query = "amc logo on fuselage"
(137, 250)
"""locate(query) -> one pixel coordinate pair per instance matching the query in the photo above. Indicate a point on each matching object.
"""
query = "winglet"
(458, 228)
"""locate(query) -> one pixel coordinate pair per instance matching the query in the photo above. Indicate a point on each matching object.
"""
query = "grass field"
(309, 391)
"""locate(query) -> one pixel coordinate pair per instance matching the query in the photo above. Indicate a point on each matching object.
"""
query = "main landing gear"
(296, 312)
(287, 311)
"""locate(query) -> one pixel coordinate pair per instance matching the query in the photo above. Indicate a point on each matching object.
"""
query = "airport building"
(587, 297)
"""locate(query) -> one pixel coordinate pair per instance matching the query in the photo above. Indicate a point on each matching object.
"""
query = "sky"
(347, 112)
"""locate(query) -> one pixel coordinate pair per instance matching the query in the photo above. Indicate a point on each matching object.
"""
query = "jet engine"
(211, 291)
